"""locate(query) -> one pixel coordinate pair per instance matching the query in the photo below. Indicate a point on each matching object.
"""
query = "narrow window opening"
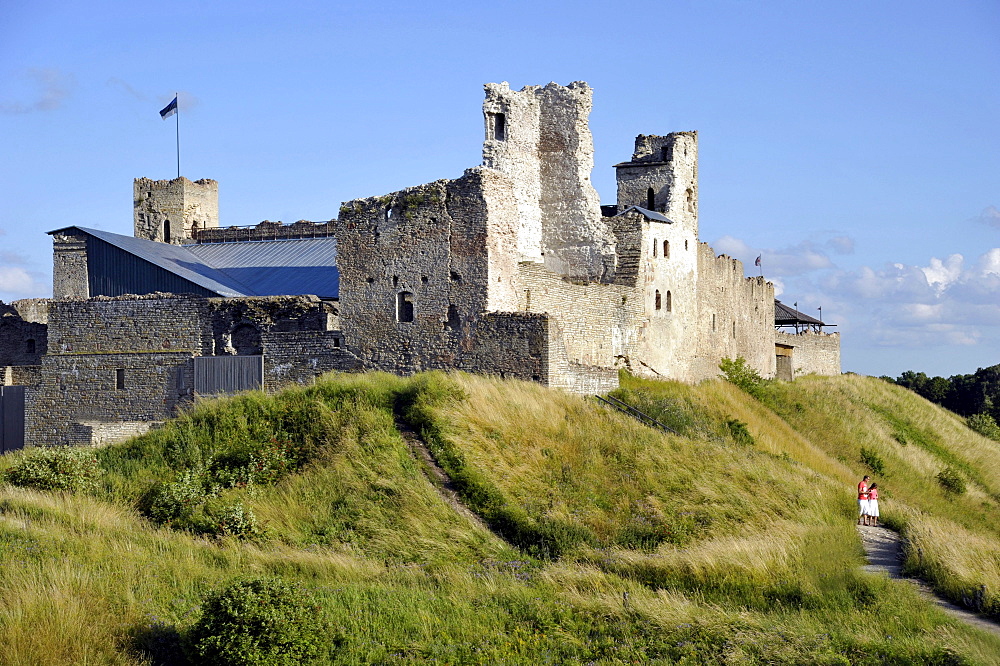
(455, 277)
(395, 280)
(404, 306)
(388, 212)
(120, 379)
(654, 247)
(30, 346)
(423, 279)
(453, 322)
(670, 302)
(336, 342)
(650, 199)
(665, 154)
(666, 249)
(734, 329)
(713, 323)
(658, 300)
(500, 127)
(166, 231)
(690, 200)
(685, 245)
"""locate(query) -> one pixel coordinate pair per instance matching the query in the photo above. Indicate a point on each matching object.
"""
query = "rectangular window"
(120, 379)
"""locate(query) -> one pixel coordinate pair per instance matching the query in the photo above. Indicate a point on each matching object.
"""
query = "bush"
(741, 374)
(176, 500)
(872, 461)
(985, 425)
(62, 468)
(739, 432)
(262, 622)
(951, 481)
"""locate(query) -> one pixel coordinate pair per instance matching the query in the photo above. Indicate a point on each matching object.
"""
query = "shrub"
(872, 461)
(951, 481)
(176, 500)
(740, 373)
(985, 425)
(62, 468)
(230, 518)
(263, 622)
(738, 431)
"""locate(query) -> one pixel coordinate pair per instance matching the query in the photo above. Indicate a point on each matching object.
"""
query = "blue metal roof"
(277, 268)
(650, 214)
(267, 268)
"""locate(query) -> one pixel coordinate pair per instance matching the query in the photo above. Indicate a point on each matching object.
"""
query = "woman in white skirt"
(873, 504)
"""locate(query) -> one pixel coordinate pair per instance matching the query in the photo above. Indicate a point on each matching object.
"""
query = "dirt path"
(884, 550)
(437, 476)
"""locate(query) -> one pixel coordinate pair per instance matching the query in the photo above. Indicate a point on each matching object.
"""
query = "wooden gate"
(218, 375)
(11, 418)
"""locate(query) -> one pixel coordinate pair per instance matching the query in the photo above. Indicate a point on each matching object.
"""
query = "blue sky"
(855, 145)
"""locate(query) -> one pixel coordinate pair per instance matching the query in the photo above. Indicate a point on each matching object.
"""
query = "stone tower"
(170, 211)
(663, 177)
(539, 138)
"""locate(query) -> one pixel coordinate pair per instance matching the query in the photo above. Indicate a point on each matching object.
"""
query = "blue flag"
(169, 109)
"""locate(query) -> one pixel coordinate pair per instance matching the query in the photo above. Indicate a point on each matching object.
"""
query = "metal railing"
(626, 408)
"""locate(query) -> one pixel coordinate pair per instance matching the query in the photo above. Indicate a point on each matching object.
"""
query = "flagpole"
(178, 114)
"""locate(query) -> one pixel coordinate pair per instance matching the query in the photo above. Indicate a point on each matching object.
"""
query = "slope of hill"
(605, 541)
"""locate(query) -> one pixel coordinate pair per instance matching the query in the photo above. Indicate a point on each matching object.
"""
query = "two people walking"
(867, 503)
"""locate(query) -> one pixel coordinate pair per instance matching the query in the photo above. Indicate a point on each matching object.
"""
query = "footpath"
(884, 550)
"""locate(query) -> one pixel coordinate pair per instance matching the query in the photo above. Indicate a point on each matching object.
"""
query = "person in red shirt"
(873, 504)
(863, 500)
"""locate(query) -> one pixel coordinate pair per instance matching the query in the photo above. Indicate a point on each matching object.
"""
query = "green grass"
(608, 542)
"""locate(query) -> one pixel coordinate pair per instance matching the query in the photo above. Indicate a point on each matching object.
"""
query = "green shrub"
(62, 468)
(985, 425)
(951, 481)
(872, 461)
(176, 500)
(229, 518)
(740, 373)
(261, 622)
(738, 431)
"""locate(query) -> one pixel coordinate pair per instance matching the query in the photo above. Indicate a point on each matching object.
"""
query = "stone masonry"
(512, 269)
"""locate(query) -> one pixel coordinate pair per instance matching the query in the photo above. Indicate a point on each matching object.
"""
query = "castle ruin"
(512, 269)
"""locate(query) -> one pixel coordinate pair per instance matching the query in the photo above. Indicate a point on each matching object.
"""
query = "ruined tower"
(539, 138)
(663, 177)
(170, 211)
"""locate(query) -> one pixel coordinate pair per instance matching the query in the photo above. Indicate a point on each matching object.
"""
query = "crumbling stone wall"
(21, 342)
(540, 138)
(812, 352)
(70, 276)
(171, 211)
(128, 359)
(736, 315)
(665, 167)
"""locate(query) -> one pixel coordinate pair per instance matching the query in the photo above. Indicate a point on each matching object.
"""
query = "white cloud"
(53, 87)
(990, 216)
(799, 259)
(15, 280)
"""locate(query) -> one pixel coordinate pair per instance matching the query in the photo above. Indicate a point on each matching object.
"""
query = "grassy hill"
(599, 540)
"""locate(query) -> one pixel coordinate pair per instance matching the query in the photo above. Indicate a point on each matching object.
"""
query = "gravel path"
(884, 550)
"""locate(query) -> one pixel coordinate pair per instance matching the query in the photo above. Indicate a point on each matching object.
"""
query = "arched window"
(650, 199)
(166, 231)
(670, 303)
(666, 249)
(404, 306)
(659, 303)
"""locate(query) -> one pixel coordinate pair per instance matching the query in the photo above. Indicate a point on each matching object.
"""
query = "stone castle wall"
(540, 138)
(736, 316)
(70, 276)
(812, 352)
